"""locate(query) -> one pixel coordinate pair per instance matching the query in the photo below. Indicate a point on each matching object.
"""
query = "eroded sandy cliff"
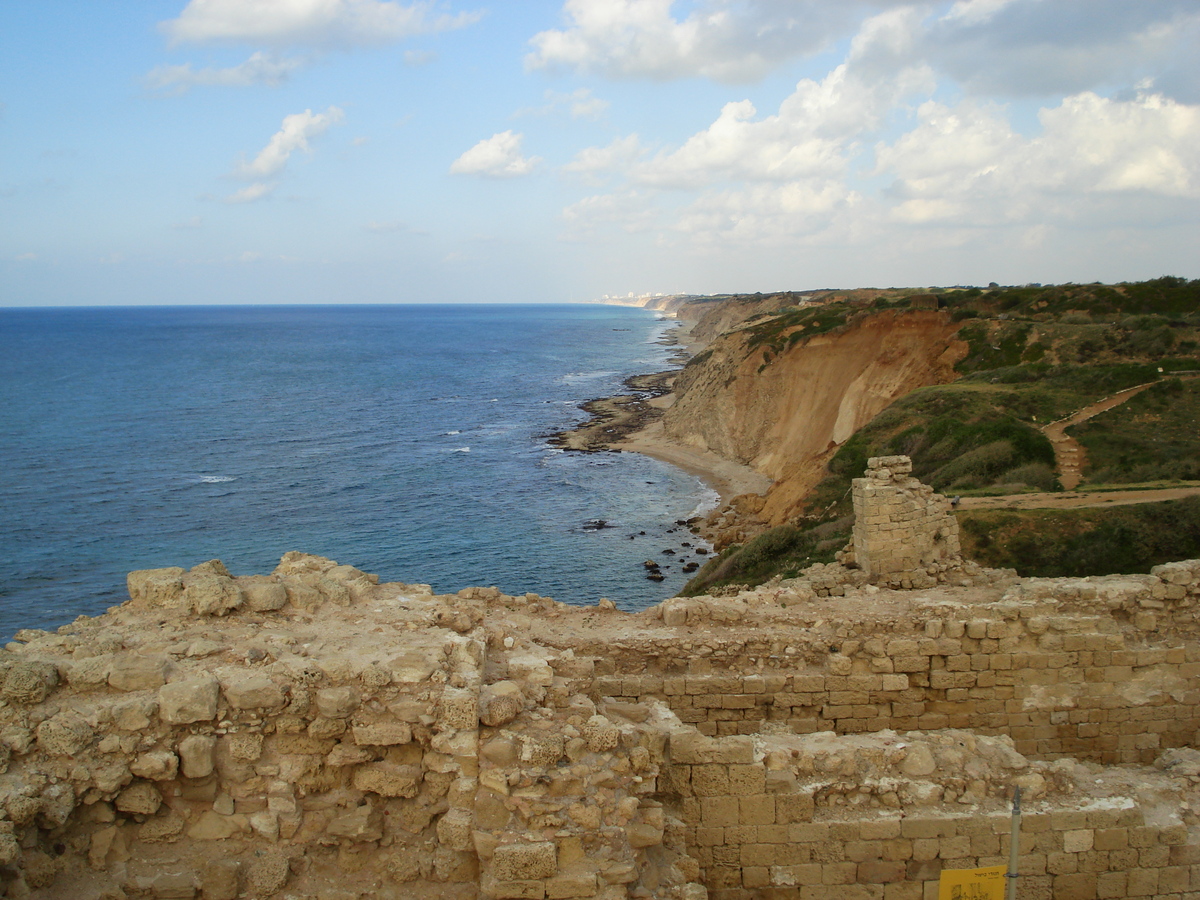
(785, 414)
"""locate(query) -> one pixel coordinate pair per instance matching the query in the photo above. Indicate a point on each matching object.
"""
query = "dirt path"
(1078, 499)
(1068, 453)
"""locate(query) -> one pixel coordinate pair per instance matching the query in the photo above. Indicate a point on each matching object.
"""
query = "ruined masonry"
(905, 535)
(314, 733)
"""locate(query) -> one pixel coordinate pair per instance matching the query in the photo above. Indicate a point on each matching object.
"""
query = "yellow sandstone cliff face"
(787, 418)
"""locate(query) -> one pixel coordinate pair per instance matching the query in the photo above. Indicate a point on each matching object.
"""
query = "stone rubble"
(313, 733)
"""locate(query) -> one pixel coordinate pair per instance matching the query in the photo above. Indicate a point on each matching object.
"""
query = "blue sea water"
(406, 440)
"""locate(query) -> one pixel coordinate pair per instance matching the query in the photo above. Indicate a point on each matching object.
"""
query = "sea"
(410, 441)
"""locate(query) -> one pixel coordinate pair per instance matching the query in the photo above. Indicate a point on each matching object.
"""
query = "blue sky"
(284, 151)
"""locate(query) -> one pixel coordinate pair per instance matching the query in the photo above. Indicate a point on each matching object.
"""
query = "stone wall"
(904, 533)
(313, 733)
(825, 817)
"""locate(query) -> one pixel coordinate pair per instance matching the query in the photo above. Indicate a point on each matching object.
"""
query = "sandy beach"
(633, 424)
(727, 478)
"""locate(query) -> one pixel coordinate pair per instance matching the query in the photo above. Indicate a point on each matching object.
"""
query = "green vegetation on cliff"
(1030, 356)
(1075, 542)
(1036, 355)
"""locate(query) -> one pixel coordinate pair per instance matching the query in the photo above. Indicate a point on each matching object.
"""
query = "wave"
(448, 433)
(709, 501)
(216, 479)
(578, 377)
(461, 450)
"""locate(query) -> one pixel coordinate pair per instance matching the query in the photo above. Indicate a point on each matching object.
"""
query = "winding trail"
(1079, 499)
(1069, 457)
(1068, 452)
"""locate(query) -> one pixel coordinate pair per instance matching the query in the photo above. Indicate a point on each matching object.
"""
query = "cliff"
(785, 406)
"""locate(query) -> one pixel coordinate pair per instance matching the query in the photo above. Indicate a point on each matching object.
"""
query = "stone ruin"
(905, 535)
(313, 733)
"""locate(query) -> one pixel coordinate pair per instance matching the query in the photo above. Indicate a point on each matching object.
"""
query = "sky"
(391, 151)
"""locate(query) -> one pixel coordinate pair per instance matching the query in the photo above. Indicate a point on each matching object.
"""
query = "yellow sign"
(972, 884)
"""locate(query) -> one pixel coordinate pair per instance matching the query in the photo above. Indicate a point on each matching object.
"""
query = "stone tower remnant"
(903, 530)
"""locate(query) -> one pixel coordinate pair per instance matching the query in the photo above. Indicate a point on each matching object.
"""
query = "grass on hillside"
(1153, 436)
(1079, 542)
(785, 551)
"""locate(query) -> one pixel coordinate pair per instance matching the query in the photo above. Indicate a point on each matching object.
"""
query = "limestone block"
(185, 702)
(500, 703)
(156, 587)
(454, 830)
(413, 666)
(675, 612)
(219, 879)
(571, 885)
(459, 708)
(250, 690)
(64, 735)
(264, 595)
(212, 826)
(363, 823)
(542, 749)
(918, 761)
(301, 595)
(691, 747)
(266, 824)
(267, 874)
(196, 754)
(641, 835)
(140, 798)
(525, 862)
(338, 702)
(88, 674)
(212, 595)
(245, 745)
(494, 889)
(135, 672)
(382, 734)
(161, 829)
(29, 681)
(388, 779)
(601, 734)
(157, 765)
(334, 592)
(531, 669)
(170, 885)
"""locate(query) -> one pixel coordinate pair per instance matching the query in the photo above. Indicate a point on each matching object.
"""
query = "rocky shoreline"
(614, 419)
(632, 423)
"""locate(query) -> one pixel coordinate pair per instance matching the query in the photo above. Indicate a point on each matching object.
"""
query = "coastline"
(633, 424)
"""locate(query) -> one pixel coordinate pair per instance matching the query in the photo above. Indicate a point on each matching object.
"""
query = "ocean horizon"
(408, 440)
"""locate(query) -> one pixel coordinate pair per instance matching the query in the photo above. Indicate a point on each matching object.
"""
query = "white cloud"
(580, 103)
(866, 154)
(416, 58)
(617, 156)
(631, 211)
(309, 22)
(260, 68)
(727, 40)
(251, 192)
(966, 165)
(293, 135)
(813, 136)
(496, 157)
(1014, 48)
